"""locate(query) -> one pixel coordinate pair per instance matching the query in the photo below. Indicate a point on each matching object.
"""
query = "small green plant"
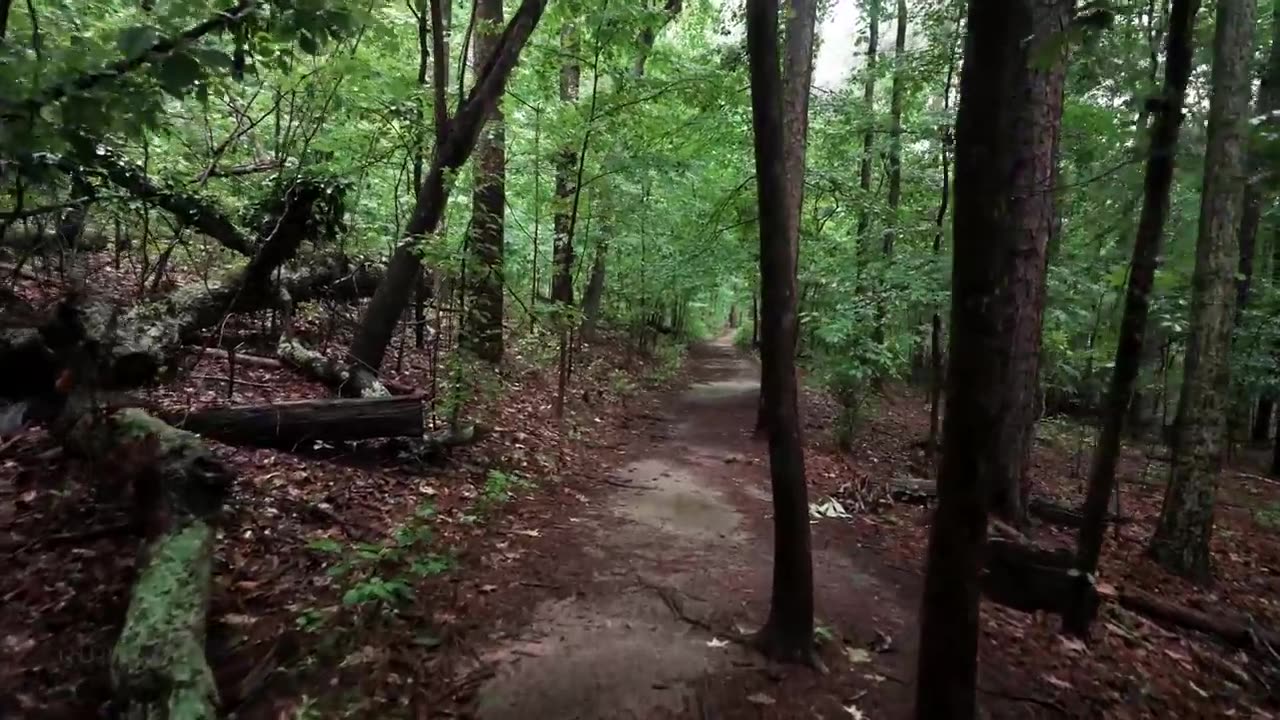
(621, 384)
(1268, 517)
(498, 488)
(381, 574)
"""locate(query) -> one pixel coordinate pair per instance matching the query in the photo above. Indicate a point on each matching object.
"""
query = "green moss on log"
(158, 667)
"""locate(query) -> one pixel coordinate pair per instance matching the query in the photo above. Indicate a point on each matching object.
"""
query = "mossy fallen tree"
(158, 666)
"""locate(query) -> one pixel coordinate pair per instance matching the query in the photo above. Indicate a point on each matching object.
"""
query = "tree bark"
(158, 665)
(936, 379)
(594, 295)
(369, 345)
(1142, 269)
(1005, 128)
(483, 329)
(1254, 195)
(895, 130)
(788, 632)
(868, 134)
(1181, 540)
(566, 163)
(796, 78)
(289, 424)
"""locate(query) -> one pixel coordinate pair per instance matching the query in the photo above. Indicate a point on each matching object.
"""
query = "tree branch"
(157, 51)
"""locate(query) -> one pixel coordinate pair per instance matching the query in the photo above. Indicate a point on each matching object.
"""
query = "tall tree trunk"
(1142, 269)
(935, 341)
(868, 135)
(788, 632)
(1181, 540)
(1034, 93)
(594, 295)
(566, 164)
(1254, 194)
(798, 63)
(483, 330)
(378, 323)
(1005, 132)
(895, 130)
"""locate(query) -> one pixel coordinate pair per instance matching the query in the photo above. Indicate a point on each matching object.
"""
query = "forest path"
(671, 559)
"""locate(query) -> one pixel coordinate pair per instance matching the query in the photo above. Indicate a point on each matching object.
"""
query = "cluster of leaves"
(381, 575)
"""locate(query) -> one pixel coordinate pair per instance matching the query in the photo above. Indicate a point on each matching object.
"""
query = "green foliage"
(499, 488)
(382, 575)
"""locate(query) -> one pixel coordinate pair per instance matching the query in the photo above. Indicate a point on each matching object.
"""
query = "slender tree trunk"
(483, 333)
(1005, 132)
(798, 63)
(1181, 540)
(868, 135)
(788, 632)
(1142, 269)
(378, 323)
(594, 295)
(1254, 192)
(895, 130)
(936, 379)
(421, 292)
(566, 163)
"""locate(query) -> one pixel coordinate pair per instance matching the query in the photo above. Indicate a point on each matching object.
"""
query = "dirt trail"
(678, 547)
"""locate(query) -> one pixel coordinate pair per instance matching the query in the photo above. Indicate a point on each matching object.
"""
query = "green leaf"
(132, 41)
(178, 72)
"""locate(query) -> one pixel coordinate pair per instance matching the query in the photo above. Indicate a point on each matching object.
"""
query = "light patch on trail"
(672, 498)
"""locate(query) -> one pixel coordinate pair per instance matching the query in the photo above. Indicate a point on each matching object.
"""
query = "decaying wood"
(158, 666)
(332, 373)
(918, 491)
(1237, 631)
(251, 360)
(289, 424)
(1026, 577)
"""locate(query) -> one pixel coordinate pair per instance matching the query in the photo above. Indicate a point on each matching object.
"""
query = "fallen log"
(158, 665)
(918, 491)
(1021, 575)
(248, 359)
(1063, 516)
(332, 373)
(913, 491)
(289, 424)
(1237, 631)
(334, 277)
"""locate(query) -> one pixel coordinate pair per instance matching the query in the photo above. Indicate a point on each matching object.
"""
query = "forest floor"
(597, 566)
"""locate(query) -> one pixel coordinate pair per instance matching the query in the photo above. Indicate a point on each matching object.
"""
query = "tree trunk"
(1181, 540)
(158, 665)
(796, 77)
(1142, 269)
(369, 345)
(1005, 130)
(566, 164)
(868, 136)
(483, 333)
(290, 424)
(1254, 195)
(788, 632)
(936, 378)
(594, 295)
(1262, 420)
(895, 130)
